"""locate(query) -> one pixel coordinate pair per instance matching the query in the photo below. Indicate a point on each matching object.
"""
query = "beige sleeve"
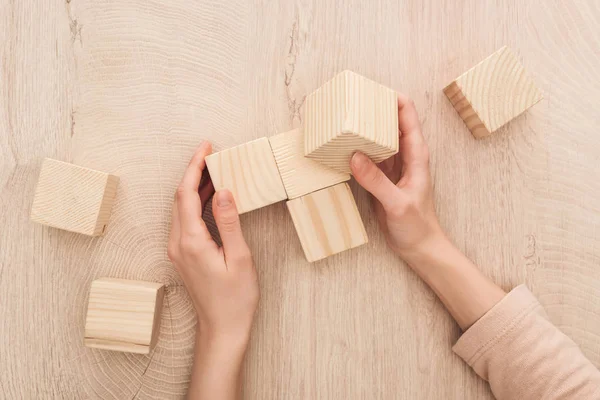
(523, 356)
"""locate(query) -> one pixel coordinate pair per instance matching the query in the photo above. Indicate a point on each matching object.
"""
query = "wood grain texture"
(123, 315)
(327, 222)
(347, 114)
(301, 175)
(73, 198)
(249, 171)
(493, 92)
(133, 86)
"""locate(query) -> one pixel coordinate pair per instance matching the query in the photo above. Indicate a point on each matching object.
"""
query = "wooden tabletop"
(131, 87)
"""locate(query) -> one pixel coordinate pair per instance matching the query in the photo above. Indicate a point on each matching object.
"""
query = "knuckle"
(396, 212)
(376, 176)
(243, 256)
(401, 209)
(411, 206)
(229, 223)
(188, 245)
(180, 192)
(195, 158)
(172, 252)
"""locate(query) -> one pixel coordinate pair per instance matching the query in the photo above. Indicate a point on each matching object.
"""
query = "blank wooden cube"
(350, 113)
(492, 93)
(327, 222)
(301, 175)
(249, 171)
(123, 315)
(73, 198)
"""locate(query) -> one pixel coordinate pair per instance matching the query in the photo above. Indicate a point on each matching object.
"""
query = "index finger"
(412, 142)
(188, 199)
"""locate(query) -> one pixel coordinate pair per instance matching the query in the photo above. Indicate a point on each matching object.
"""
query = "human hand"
(402, 189)
(221, 281)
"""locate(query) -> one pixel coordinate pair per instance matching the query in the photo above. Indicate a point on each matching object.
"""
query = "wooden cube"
(347, 114)
(249, 171)
(327, 222)
(301, 175)
(73, 198)
(123, 315)
(492, 93)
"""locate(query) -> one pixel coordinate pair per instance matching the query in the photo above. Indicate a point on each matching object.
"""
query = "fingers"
(228, 222)
(370, 177)
(408, 118)
(413, 148)
(206, 189)
(187, 197)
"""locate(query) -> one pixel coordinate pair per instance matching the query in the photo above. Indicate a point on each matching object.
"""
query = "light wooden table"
(132, 86)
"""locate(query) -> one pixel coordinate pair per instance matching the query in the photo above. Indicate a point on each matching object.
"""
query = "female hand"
(222, 282)
(401, 186)
(403, 201)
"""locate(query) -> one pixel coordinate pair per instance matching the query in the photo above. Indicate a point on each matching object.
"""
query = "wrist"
(222, 343)
(427, 252)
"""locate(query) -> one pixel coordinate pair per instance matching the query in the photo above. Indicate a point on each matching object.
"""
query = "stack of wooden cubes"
(309, 166)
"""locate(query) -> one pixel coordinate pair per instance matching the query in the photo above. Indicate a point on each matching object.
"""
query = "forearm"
(524, 356)
(460, 285)
(216, 373)
(511, 343)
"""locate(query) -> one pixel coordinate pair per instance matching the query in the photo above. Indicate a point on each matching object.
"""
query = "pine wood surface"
(301, 175)
(132, 87)
(493, 92)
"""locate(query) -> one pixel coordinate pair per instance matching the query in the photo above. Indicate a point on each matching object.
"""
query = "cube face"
(347, 114)
(73, 198)
(327, 222)
(301, 175)
(492, 93)
(249, 171)
(123, 315)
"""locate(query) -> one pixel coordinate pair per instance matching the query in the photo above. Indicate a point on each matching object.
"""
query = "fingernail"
(203, 146)
(223, 198)
(359, 160)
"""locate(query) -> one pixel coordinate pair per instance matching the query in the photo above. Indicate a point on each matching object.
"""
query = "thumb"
(370, 177)
(228, 223)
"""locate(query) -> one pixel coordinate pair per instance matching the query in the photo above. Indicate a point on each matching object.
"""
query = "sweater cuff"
(484, 334)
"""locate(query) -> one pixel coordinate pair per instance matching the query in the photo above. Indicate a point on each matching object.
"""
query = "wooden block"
(327, 222)
(249, 171)
(301, 175)
(73, 198)
(350, 113)
(492, 93)
(123, 315)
